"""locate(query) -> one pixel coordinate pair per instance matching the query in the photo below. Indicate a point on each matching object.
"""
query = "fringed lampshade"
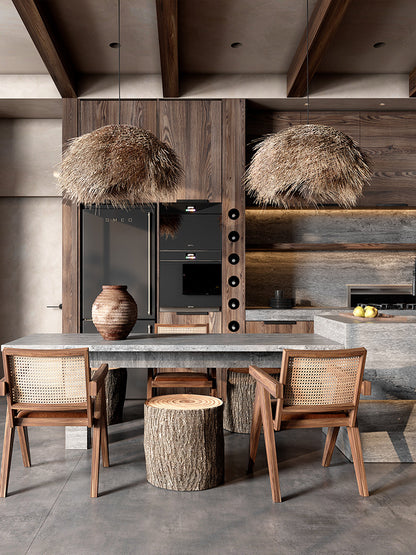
(307, 165)
(169, 225)
(121, 165)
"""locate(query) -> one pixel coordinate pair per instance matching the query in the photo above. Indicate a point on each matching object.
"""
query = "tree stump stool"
(115, 393)
(184, 442)
(238, 405)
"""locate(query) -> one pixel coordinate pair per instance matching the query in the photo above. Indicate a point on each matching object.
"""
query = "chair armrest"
(4, 387)
(365, 387)
(274, 387)
(97, 380)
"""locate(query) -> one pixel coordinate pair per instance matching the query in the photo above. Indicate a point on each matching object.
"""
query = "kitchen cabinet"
(280, 326)
(193, 129)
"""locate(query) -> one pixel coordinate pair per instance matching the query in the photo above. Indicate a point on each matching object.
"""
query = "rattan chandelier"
(307, 165)
(121, 165)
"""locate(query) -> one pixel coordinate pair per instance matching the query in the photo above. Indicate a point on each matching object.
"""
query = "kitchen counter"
(391, 349)
(387, 420)
(305, 313)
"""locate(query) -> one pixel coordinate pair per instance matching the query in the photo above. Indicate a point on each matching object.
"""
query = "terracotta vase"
(114, 312)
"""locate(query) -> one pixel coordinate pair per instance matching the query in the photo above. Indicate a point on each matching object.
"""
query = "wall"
(319, 277)
(30, 227)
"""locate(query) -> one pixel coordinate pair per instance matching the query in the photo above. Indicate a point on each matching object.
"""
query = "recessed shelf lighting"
(382, 103)
(379, 44)
(236, 44)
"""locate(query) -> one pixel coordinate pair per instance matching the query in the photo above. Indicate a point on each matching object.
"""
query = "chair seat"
(192, 379)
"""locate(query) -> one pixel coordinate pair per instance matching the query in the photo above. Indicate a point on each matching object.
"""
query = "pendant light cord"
(307, 61)
(119, 63)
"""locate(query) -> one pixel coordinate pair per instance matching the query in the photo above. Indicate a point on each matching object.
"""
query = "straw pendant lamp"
(307, 165)
(121, 165)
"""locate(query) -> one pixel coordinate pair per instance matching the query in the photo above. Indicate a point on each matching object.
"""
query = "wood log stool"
(239, 401)
(184, 442)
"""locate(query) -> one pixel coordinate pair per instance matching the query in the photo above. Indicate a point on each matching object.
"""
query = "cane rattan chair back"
(52, 388)
(316, 389)
(157, 378)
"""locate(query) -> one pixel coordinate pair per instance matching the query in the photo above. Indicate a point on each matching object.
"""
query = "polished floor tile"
(49, 511)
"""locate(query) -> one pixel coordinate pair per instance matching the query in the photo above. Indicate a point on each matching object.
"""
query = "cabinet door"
(301, 326)
(189, 318)
(97, 113)
(193, 129)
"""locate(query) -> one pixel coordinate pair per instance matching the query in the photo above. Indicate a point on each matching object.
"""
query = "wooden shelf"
(297, 247)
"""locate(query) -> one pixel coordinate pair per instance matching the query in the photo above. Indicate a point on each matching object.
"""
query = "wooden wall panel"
(388, 137)
(233, 124)
(390, 140)
(70, 235)
(193, 129)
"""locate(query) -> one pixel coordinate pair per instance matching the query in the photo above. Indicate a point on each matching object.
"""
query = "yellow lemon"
(358, 311)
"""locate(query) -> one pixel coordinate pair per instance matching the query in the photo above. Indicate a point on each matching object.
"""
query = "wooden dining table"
(140, 351)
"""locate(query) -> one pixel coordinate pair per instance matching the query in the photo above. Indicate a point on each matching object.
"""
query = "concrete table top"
(177, 350)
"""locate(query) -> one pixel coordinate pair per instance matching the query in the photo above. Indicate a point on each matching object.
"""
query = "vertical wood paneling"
(193, 129)
(233, 125)
(97, 113)
(390, 140)
(70, 236)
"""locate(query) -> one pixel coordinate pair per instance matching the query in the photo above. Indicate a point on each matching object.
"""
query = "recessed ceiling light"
(114, 45)
(379, 44)
(236, 44)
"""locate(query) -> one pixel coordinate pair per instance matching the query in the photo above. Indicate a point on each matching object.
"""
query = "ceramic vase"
(114, 312)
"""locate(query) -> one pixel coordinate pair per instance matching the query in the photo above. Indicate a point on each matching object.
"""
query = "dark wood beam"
(47, 47)
(323, 25)
(412, 82)
(167, 24)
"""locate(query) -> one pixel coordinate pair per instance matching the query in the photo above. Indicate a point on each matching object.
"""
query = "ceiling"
(269, 32)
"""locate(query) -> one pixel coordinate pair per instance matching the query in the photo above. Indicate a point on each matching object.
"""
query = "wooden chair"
(52, 388)
(158, 379)
(316, 389)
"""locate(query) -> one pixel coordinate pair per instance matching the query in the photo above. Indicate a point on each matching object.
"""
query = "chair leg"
(255, 429)
(95, 458)
(268, 430)
(357, 457)
(104, 431)
(7, 457)
(24, 445)
(331, 439)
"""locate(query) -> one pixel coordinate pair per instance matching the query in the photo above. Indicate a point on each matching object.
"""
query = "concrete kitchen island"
(387, 420)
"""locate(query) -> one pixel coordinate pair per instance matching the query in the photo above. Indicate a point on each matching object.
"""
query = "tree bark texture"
(184, 442)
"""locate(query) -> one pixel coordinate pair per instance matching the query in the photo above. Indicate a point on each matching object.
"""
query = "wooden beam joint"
(323, 25)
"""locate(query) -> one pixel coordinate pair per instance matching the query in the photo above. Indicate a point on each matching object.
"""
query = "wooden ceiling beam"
(46, 46)
(412, 82)
(323, 24)
(167, 24)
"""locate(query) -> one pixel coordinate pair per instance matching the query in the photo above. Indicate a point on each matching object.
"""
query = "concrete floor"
(49, 510)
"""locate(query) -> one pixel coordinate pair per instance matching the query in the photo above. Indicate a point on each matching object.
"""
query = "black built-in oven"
(190, 255)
